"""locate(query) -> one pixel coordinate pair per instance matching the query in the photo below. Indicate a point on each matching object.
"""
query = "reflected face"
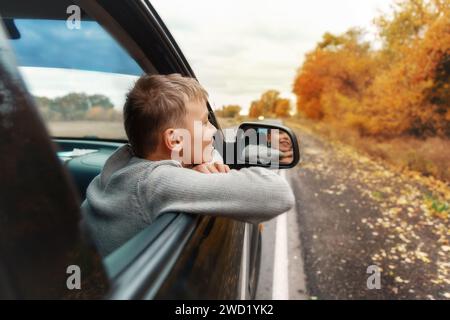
(283, 142)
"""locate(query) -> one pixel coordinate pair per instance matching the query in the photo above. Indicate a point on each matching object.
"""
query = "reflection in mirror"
(282, 142)
(267, 146)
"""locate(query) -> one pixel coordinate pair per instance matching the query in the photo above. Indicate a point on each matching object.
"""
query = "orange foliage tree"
(399, 89)
(270, 105)
(229, 111)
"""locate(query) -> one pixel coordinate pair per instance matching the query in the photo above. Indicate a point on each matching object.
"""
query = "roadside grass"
(437, 206)
(430, 157)
(231, 122)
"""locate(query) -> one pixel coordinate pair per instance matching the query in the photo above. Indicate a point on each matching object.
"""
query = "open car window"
(79, 77)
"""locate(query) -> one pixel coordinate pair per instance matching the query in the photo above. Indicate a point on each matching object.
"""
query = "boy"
(168, 167)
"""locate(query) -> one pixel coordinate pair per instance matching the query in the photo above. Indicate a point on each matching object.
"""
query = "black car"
(52, 74)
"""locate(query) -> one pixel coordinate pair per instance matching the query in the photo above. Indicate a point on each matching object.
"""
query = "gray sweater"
(130, 193)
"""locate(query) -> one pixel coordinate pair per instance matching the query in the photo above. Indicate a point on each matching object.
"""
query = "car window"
(79, 77)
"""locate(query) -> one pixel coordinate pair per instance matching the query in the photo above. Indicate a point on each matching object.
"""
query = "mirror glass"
(268, 146)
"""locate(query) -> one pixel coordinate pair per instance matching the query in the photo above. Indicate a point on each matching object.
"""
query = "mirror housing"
(263, 145)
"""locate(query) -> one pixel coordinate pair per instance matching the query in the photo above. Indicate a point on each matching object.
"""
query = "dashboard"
(84, 159)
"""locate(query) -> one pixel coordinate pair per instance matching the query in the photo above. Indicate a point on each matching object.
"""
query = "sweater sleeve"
(251, 194)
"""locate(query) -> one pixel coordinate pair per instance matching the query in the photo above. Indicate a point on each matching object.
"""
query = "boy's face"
(201, 133)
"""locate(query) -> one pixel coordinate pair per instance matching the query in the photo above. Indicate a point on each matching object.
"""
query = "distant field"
(106, 129)
(83, 128)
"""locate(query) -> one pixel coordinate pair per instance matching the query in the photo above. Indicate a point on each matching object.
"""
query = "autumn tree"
(283, 108)
(399, 89)
(270, 105)
(334, 76)
(229, 111)
(409, 94)
(255, 109)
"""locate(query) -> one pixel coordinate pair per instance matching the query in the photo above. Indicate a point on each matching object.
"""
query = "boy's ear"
(173, 140)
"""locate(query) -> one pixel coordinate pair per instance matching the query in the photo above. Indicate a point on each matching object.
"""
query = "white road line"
(244, 265)
(280, 285)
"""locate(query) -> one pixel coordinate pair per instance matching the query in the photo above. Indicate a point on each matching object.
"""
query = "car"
(45, 170)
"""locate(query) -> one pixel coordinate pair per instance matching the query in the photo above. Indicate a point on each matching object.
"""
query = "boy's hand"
(215, 167)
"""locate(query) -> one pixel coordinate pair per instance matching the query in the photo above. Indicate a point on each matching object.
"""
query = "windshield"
(79, 77)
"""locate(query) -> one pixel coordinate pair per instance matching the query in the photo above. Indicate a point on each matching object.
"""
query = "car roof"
(42, 9)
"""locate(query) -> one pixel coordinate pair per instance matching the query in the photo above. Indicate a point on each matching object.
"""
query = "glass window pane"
(79, 77)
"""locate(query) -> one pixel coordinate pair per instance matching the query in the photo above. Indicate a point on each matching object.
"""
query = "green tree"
(72, 106)
(100, 101)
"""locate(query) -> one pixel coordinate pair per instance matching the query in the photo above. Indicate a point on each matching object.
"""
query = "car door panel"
(209, 265)
(39, 213)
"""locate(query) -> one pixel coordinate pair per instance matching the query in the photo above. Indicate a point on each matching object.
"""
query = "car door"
(179, 256)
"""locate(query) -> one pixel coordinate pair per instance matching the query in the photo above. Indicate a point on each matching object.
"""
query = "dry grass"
(231, 122)
(108, 129)
(430, 157)
(84, 128)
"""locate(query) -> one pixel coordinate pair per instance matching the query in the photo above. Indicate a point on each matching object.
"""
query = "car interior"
(83, 155)
(87, 163)
(83, 158)
(150, 253)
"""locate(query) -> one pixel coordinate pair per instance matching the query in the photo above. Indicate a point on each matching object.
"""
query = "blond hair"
(156, 103)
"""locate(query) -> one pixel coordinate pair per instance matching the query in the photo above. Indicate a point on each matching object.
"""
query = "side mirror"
(266, 145)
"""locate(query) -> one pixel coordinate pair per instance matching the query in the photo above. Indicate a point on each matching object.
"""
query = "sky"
(237, 49)
(92, 61)
(240, 48)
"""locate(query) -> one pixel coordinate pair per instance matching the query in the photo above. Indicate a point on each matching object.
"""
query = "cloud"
(238, 49)
(55, 82)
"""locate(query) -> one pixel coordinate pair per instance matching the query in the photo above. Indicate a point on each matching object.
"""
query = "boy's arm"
(251, 194)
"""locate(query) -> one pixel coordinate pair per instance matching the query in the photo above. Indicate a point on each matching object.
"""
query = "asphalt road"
(352, 213)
